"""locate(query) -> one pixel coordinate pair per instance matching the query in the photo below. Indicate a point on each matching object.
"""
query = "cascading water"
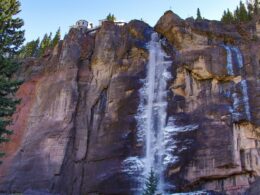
(229, 60)
(153, 110)
(157, 133)
(151, 120)
(231, 50)
(246, 98)
(238, 56)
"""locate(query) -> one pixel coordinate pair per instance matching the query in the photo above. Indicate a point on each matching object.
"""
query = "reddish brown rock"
(77, 120)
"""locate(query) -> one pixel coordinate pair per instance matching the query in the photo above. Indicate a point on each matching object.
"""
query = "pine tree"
(224, 17)
(243, 15)
(242, 12)
(236, 14)
(111, 17)
(198, 14)
(36, 48)
(49, 39)
(108, 17)
(30, 49)
(45, 44)
(227, 17)
(11, 38)
(151, 184)
(230, 17)
(56, 38)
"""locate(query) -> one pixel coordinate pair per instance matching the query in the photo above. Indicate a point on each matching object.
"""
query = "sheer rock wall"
(77, 120)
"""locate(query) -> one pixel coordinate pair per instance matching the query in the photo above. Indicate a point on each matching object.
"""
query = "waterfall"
(238, 56)
(152, 111)
(232, 50)
(151, 120)
(229, 60)
(246, 98)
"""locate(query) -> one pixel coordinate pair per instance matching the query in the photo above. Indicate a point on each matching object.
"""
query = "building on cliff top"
(118, 22)
(83, 24)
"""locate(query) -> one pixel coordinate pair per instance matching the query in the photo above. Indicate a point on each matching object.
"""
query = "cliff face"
(77, 130)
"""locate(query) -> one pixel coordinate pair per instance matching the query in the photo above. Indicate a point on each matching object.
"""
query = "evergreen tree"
(111, 17)
(236, 14)
(224, 18)
(30, 49)
(11, 38)
(151, 184)
(198, 14)
(56, 38)
(230, 16)
(45, 44)
(36, 47)
(243, 15)
(49, 40)
(227, 17)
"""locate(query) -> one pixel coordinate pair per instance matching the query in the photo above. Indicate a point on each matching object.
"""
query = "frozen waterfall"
(153, 110)
(234, 51)
(229, 60)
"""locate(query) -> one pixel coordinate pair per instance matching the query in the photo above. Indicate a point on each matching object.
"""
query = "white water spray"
(153, 110)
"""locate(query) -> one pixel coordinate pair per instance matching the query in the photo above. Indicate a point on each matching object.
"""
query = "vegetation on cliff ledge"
(37, 48)
(111, 17)
(242, 13)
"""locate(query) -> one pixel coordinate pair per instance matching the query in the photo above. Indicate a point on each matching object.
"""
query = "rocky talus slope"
(76, 130)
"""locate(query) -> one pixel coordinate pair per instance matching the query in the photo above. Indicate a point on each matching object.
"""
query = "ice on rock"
(132, 166)
(156, 136)
(170, 131)
(238, 56)
(152, 110)
(229, 60)
(246, 99)
(235, 107)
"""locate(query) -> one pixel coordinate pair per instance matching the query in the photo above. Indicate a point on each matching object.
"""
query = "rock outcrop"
(76, 132)
(216, 86)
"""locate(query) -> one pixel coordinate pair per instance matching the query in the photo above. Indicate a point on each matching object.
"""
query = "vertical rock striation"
(103, 108)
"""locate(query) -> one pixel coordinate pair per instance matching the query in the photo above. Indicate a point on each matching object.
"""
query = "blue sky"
(41, 16)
